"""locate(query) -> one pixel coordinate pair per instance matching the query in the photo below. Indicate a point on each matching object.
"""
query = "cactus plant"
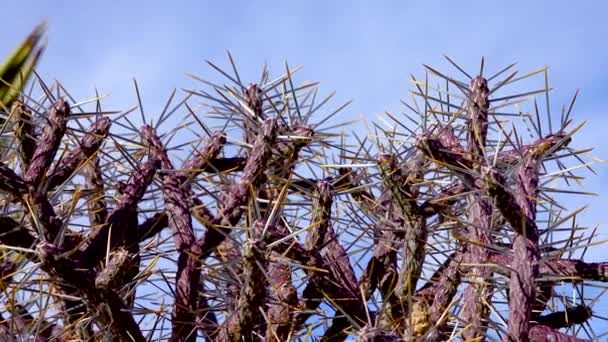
(254, 217)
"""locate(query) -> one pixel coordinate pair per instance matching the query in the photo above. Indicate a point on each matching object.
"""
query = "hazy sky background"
(363, 50)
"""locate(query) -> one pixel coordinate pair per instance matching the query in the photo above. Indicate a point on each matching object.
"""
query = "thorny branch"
(269, 243)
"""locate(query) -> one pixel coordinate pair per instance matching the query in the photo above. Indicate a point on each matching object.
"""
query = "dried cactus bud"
(374, 334)
(112, 274)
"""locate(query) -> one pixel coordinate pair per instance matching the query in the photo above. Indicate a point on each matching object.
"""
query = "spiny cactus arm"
(381, 270)
(24, 133)
(43, 216)
(444, 148)
(14, 234)
(311, 296)
(175, 196)
(567, 318)
(477, 122)
(526, 255)
(435, 297)
(567, 270)
(348, 179)
(543, 145)
(120, 228)
(194, 165)
(405, 195)
(479, 291)
(185, 307)
(11, 183)
(180, 221)
(574, 270)
(322, 237)
(120, 221)
(110, 307)
(254, 112)
(98, 211)
(521, 215)
(88, 145)
(50, 139)
(543, 333)
(206, 158)
(238, 194)
(223, 164)
(475, 310)
(322, 282)
(152, 226)
(315, 241)
(282, 294)
(445, 199)
(506, 202)
(321, 218)
(386, 273)
(248, 320)
(512, 206)
(283, 299)
(286, 154)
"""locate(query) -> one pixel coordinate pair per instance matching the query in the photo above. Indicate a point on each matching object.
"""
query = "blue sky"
(363, 50)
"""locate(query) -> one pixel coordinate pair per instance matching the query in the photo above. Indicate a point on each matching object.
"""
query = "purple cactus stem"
(11, 183)
(87, 146)
(541, 333)
(123, 219)
(98, 211)
(230, 210)
(49, 142)
(111, 308)
(24, 132)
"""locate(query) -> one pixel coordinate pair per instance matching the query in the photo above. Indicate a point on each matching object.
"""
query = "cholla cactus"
(253, 219)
